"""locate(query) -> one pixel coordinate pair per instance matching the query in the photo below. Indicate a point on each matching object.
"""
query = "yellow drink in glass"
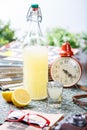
(36, 71)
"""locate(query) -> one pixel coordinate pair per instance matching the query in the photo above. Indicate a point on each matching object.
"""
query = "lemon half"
(7, 95)
(20, 97)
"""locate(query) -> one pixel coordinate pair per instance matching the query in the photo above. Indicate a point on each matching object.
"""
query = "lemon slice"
(7, 95)
(20, 97)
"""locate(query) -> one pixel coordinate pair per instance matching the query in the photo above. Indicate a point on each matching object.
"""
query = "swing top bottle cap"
(34, 5)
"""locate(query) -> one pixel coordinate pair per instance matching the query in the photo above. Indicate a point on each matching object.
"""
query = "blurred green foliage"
(57, 36)
(6, 33)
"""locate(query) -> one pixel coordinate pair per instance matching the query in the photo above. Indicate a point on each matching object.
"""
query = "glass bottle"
(35, 56)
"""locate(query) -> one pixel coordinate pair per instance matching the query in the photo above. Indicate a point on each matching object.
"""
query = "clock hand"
(66, 72)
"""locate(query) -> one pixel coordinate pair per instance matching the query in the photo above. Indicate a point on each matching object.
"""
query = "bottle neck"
(34, 17)
(34, 28)
(34, 36)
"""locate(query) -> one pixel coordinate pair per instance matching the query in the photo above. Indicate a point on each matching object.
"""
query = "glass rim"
(57, 83)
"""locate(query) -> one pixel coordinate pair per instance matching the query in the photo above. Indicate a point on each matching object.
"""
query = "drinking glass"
(55, 91)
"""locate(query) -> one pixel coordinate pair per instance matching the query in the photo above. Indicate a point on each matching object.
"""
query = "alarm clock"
(66, 68)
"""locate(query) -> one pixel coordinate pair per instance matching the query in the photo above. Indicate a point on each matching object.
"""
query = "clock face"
(66, 70)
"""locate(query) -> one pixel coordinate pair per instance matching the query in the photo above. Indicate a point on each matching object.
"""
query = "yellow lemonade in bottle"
(36, 71)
